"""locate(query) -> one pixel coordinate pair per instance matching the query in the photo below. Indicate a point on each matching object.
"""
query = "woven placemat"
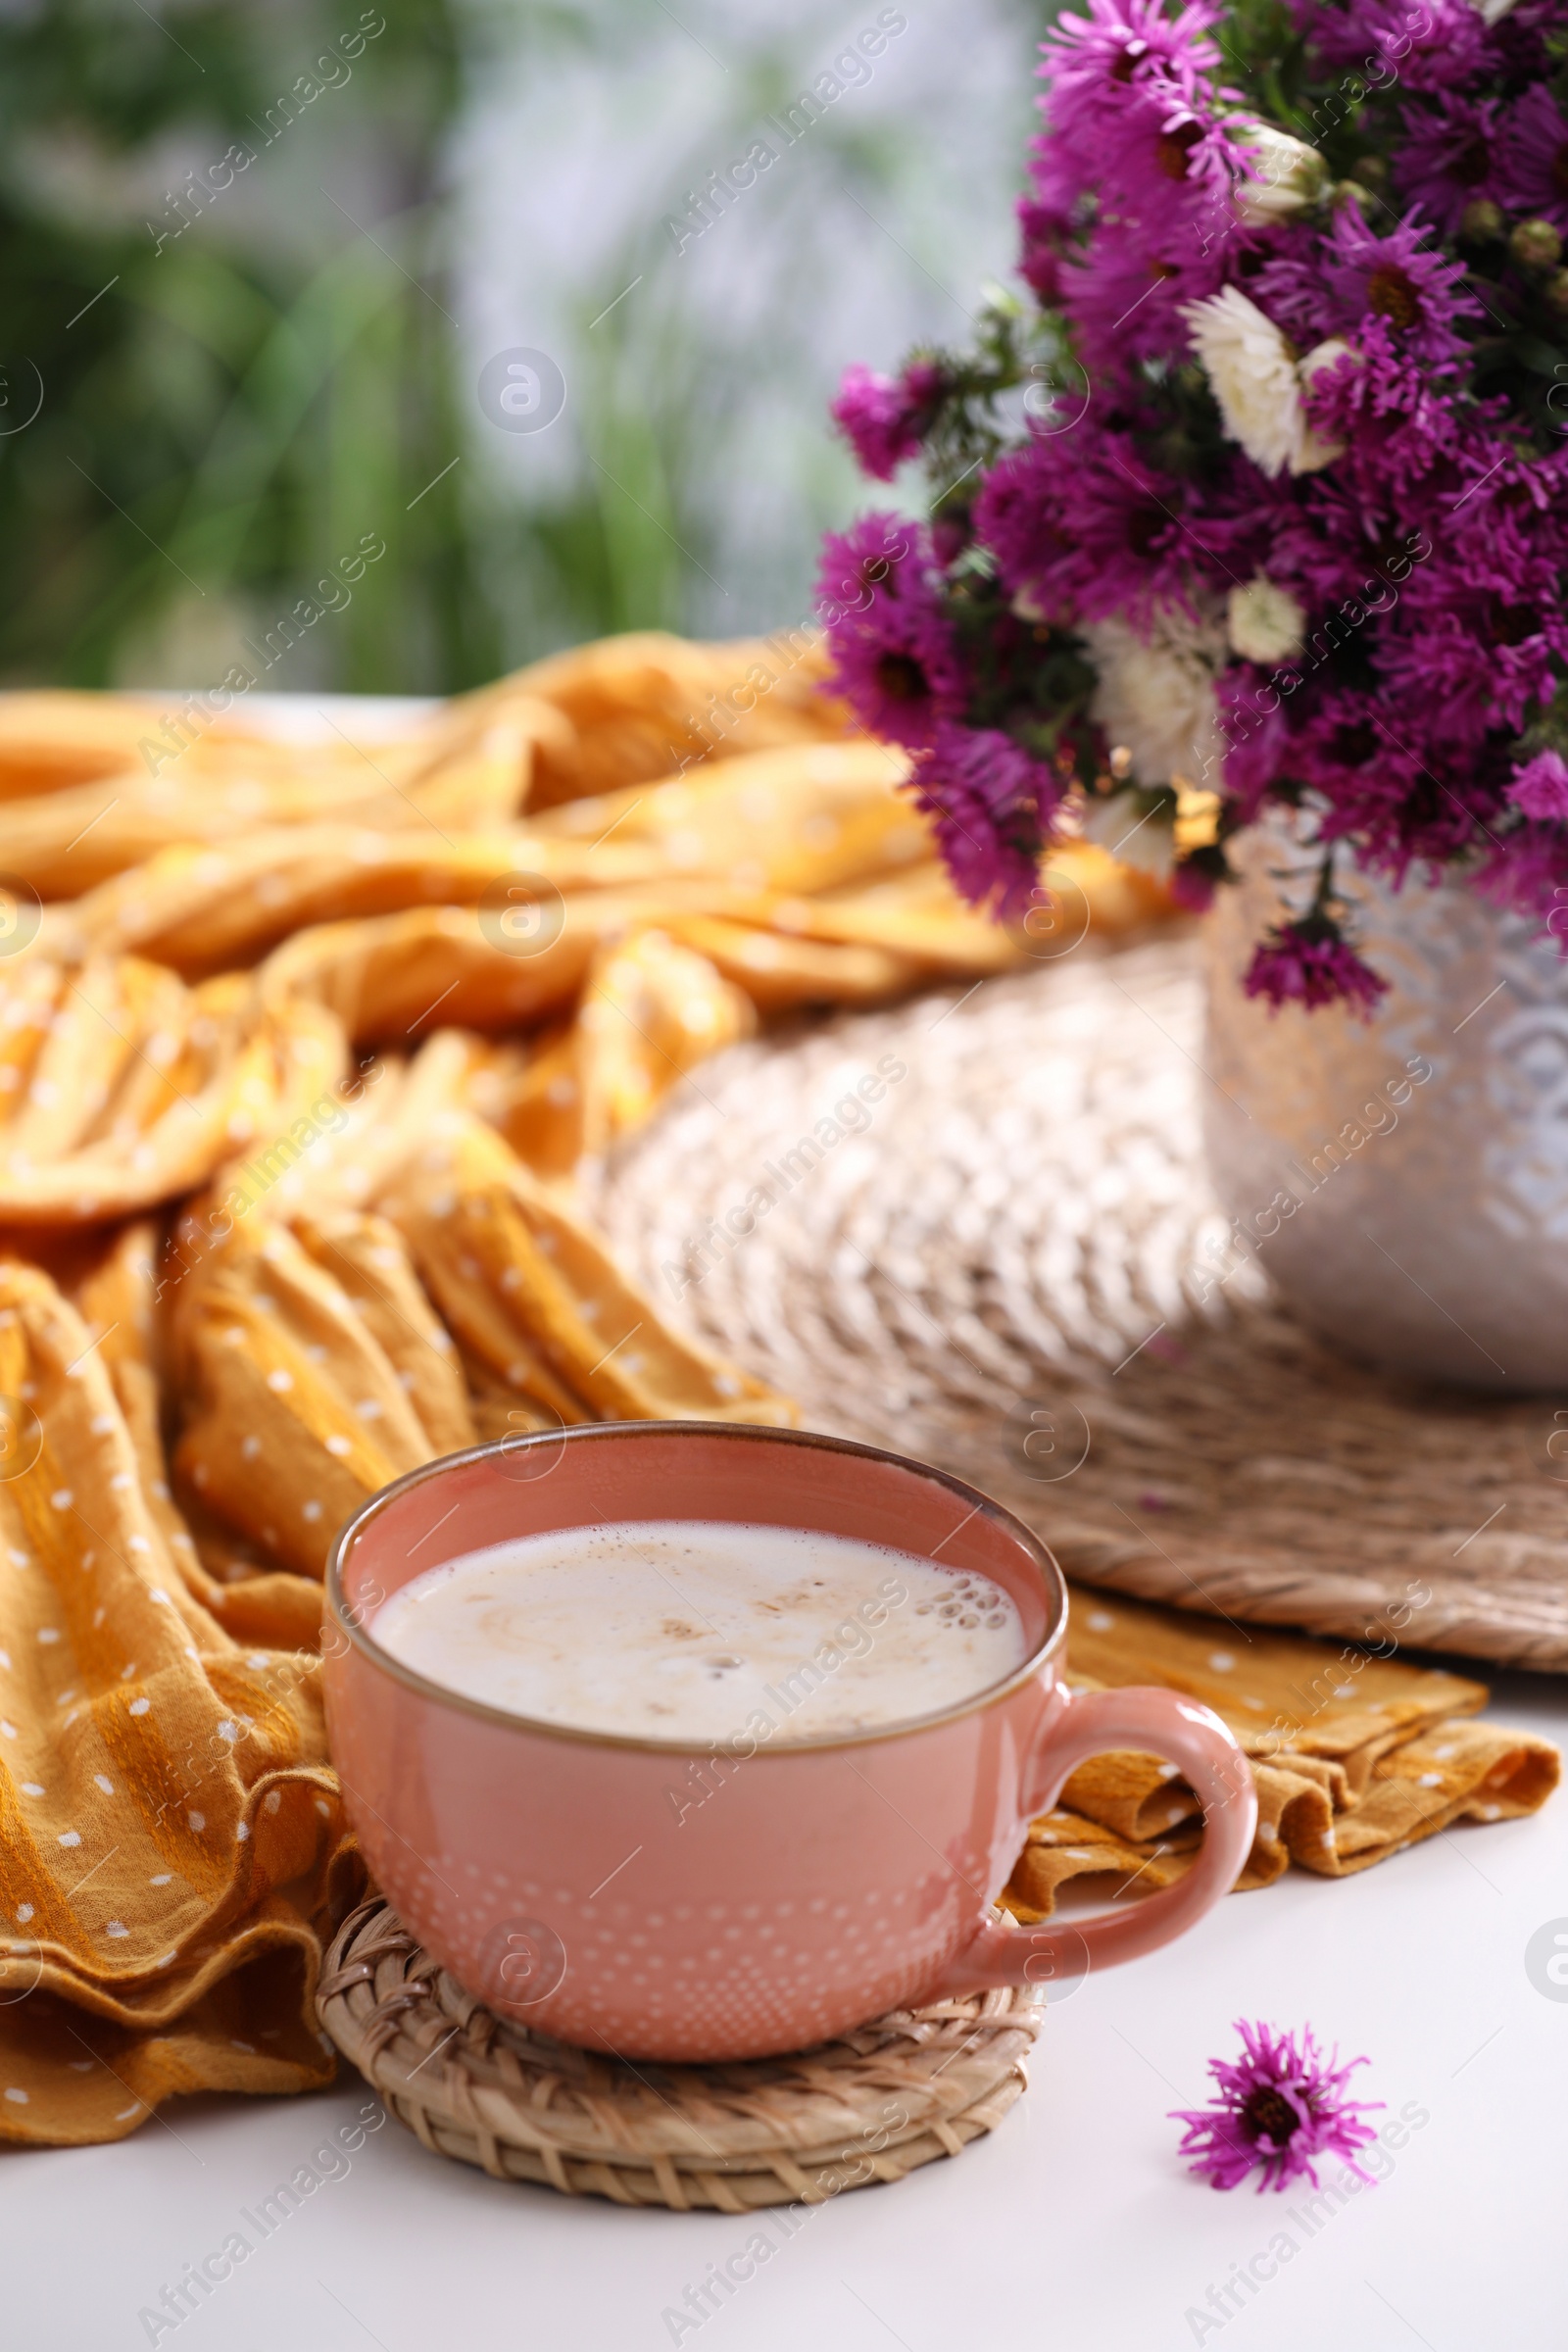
(872, 2106)
(1009, 1273)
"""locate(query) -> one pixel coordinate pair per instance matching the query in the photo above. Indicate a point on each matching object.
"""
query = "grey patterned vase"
(1402, 1181)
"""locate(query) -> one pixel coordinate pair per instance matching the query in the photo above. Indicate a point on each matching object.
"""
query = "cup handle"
(1161, 1722)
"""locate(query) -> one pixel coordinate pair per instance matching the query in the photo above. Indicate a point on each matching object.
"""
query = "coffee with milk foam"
(704, 1629)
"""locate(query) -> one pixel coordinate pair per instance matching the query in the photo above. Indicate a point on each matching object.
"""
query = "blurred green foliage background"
(239, 368)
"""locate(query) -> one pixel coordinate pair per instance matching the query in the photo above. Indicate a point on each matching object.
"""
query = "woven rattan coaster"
(872, 2106)
(1005, 1265)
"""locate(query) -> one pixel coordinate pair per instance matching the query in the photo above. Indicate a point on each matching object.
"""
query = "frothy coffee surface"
(695, 1629)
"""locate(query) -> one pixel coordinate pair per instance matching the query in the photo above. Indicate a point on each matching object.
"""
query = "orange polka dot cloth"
(1355, 1756)
(299, 1050)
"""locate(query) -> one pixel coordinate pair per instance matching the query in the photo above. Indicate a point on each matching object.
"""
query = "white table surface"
(1071, 2227)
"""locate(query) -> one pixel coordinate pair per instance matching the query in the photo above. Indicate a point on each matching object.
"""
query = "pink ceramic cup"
(687, 1900)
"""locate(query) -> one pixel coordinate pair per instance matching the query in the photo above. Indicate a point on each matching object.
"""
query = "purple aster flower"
(1449, 157)
(1516, 44)
(1399, 277)
(1281, 2105)
(1481, 632)
(993, 807)
(895, 657)
(870, 558)
(1255, 733)
(1470, 655)
(1045, 236)
(1541, 787)
(1398, 422)
(1354, 274)
(1248, 522)
(1130, 109)
(1439, 46)
(1162, 153)
(884, 418)
(1404, 796)
(1140, 143)
(1532, 158)
(1125, 291)
(1126, 44)
(1371, 785)
(1307, 963)
(1084, 529)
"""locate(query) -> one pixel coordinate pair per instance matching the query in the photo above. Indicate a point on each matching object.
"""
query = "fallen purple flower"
(1281, 2105)
(1309, 963)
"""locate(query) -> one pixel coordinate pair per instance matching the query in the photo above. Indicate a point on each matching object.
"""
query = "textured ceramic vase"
(1404, 1180)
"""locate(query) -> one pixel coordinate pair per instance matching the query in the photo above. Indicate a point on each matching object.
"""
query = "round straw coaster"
(976, 1227)
(872, 2106)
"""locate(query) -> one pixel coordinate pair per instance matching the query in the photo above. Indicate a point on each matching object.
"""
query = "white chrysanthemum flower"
(1255, 378)
(1156, 694)
(1265, 624)
(1251, 368)
(1291, 176)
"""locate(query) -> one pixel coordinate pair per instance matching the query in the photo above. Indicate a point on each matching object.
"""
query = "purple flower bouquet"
(1259, 500)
